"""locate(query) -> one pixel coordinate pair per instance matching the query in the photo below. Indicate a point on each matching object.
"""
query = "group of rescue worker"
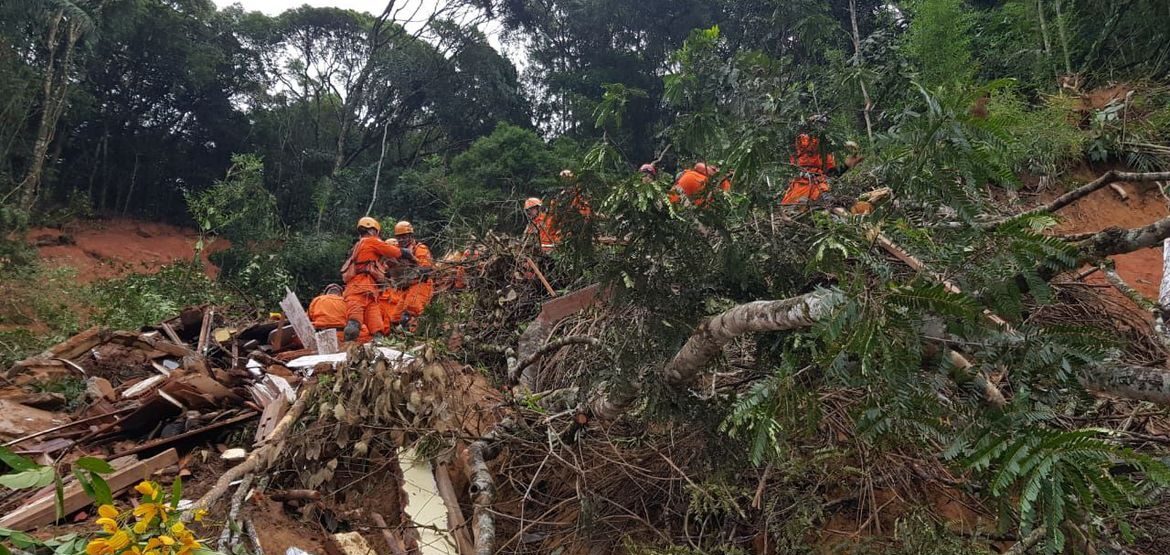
(388, 283)
(814, 165)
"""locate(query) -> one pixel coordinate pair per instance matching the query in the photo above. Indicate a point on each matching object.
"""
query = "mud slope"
(113, 248)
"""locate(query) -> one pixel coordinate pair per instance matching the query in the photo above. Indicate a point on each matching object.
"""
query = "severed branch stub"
(482, 486)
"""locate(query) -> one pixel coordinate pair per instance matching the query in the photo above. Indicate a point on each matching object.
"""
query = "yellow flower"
(147, 511)
(178, 528)
(199, 514)
(148, 490)
(108, 511)
(98, 547)
(119, 541)
(141, 526)
(108, 525)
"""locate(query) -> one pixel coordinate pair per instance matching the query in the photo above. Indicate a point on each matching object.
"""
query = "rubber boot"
(352, 329)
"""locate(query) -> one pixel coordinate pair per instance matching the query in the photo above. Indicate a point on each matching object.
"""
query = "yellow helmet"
(532, 202)
(369, 223)
(403, 228)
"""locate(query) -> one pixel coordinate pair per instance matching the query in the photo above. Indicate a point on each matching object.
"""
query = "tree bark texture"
(708, 340)
(1131, 382)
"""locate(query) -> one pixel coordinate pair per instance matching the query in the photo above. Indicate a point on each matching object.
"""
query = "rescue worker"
(577, 199)
(649, 173)
(411, 287)
(540, 225)
(692, 185)
(328, 312)
(362, 272)
(815, 166)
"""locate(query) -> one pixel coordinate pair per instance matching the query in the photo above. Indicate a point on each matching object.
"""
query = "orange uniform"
(410, 290)
(693, 184)
(361, 292)
(811, 183)
(328, 312)
(544, 227)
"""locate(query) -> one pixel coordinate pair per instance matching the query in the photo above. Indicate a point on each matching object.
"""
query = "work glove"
(405, 322)
(352, 329)
(408, 254)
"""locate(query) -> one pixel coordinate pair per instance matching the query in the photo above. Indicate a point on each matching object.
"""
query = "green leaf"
(36, 478)
(59, 497)
(101, 490)
(94, 464)
(15, 461)
(176, 492)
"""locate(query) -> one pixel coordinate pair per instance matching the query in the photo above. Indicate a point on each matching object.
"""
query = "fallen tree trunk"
(708, 340)
(1115, 240)
(1130, 382)
(482, 487)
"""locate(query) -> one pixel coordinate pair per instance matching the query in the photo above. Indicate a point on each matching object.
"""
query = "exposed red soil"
(102, 249)
(1104, 208)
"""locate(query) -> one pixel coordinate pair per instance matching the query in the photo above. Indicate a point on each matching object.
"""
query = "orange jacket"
(808, 155)
(694, 185)
(811, 182)
(327, 312)
(543, 226)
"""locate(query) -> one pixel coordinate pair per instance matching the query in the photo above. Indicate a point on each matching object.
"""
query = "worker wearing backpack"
(362, 272)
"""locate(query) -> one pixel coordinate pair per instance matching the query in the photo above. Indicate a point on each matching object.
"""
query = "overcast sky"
(425, 7)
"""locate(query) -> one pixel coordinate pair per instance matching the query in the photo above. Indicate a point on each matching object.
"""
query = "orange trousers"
(361, 304)
(803, 189)
(412, 300)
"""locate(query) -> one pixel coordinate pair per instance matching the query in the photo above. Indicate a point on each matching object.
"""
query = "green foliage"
(1054, 476)
(38, 308)
(139, 300)
(238, 207)
(940, 44)
(1044, 139)
(71, 387)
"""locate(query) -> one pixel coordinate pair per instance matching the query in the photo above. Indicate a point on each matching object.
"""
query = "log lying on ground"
(712, 335)
(1120, 241)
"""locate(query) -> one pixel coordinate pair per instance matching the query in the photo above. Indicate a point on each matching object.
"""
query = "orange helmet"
(705, 169)
(369, 223)
(532, 202)
(567, 174)
(403, 228)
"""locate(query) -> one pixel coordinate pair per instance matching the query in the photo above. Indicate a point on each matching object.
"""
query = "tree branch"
(1120, 241)
(1087, 189)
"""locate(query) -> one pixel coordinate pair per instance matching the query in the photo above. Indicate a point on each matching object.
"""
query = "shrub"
(140, 300)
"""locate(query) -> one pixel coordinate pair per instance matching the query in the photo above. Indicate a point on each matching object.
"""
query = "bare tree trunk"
(133, 180)
(857, 64)
(708, 340)
(32, 178)
(1063, 34)
(1130, 382)
(378, 173)
(1044, 30)
(1120, 241)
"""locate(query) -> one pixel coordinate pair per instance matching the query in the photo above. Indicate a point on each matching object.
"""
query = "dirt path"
(101, 249)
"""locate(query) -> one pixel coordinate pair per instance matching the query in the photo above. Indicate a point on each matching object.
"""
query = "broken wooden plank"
(273, 412)
(143, 387)
(300, 321)
(205, 331)
(42, 510)
(326, 342)
(162, 442)
(174, 337)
